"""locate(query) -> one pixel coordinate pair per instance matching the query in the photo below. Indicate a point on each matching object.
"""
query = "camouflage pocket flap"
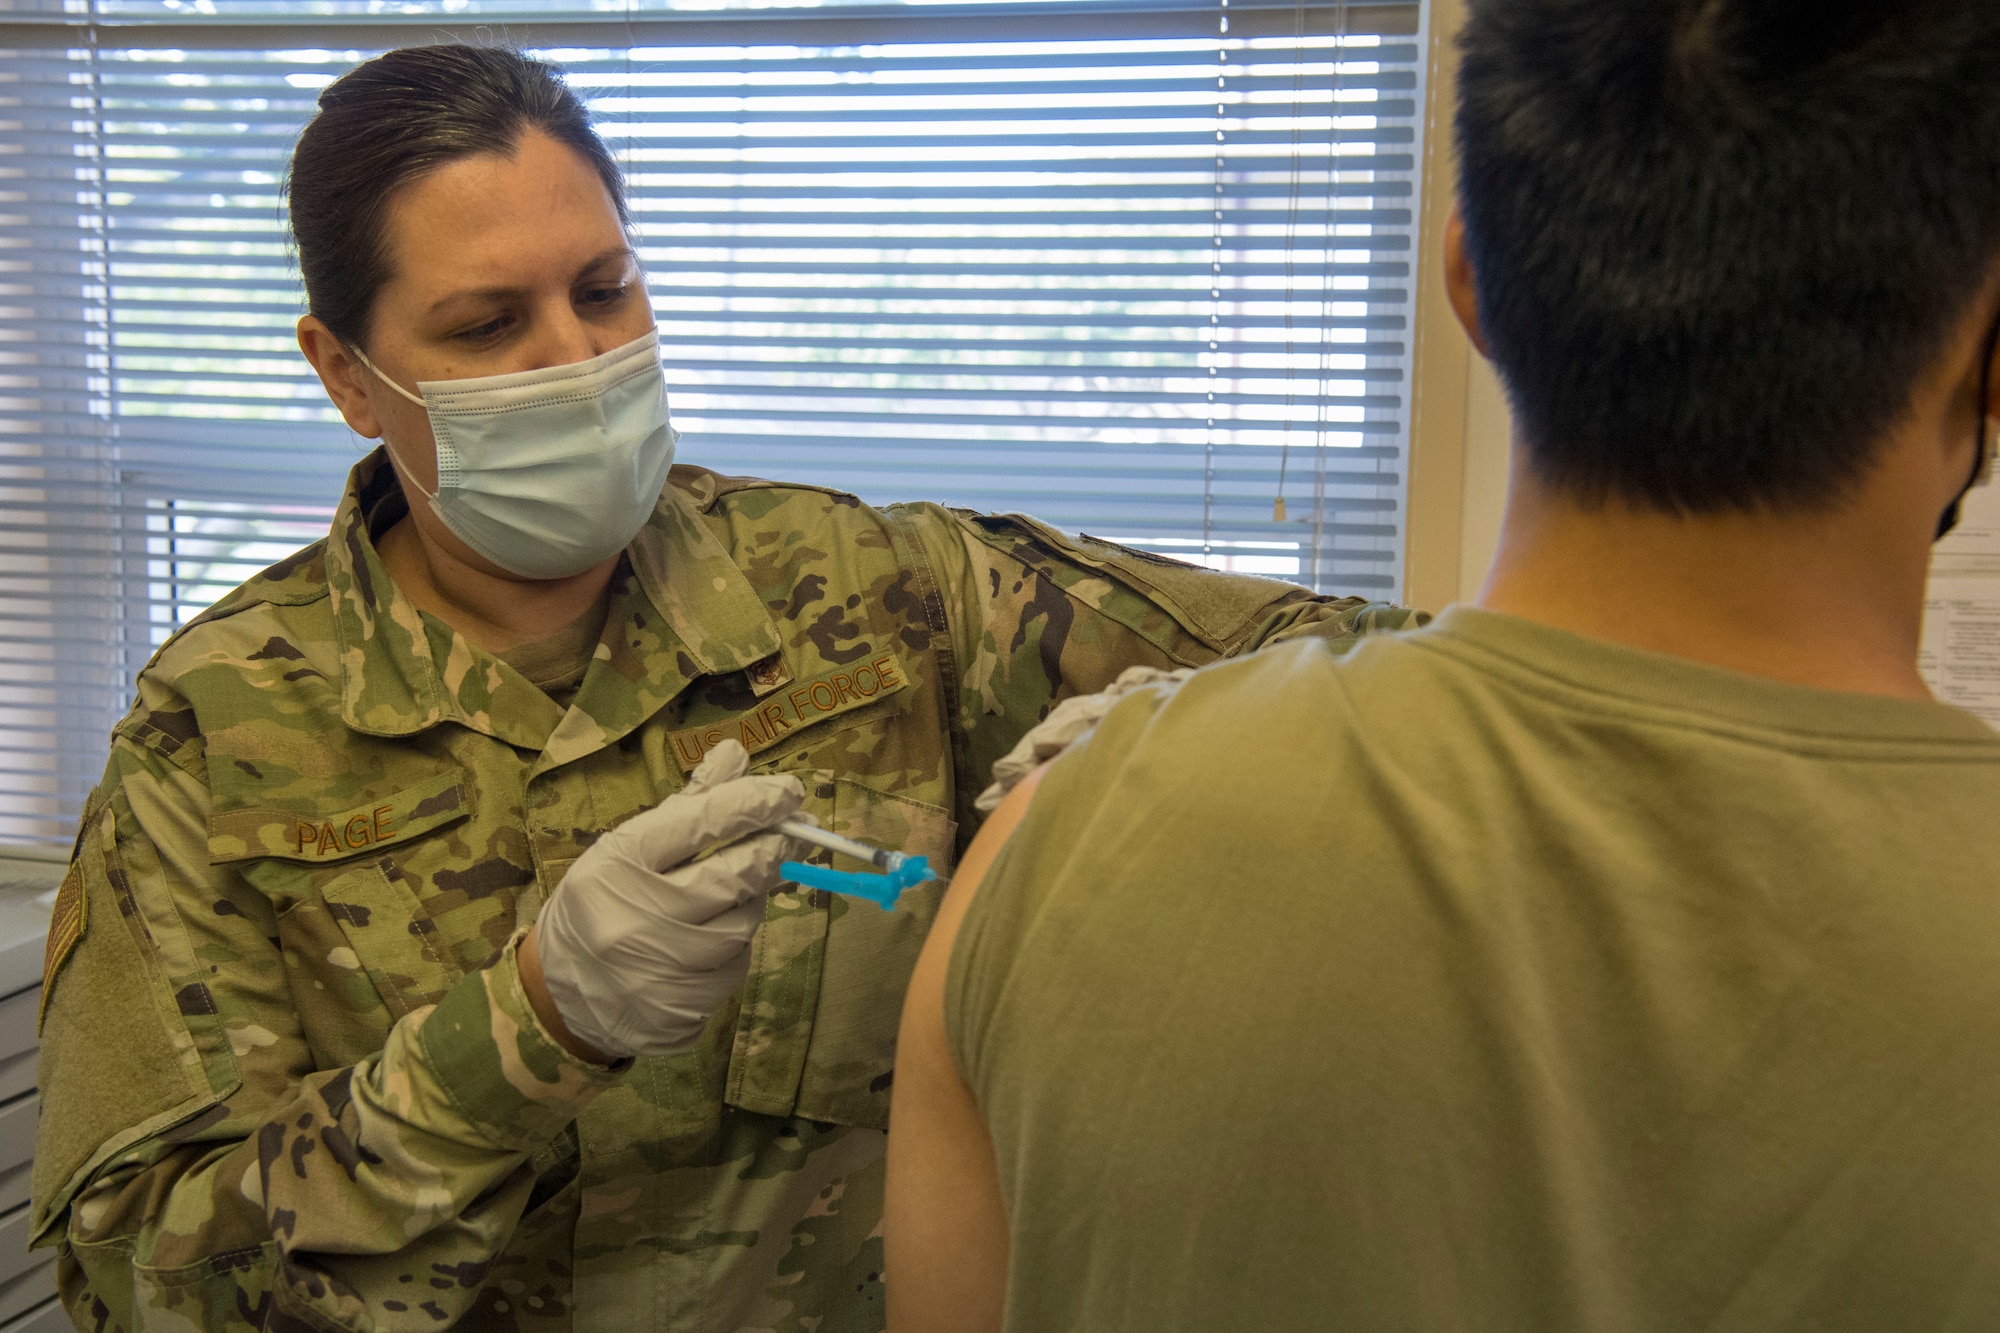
(816, 1035)
(315, 836)
(390, 937)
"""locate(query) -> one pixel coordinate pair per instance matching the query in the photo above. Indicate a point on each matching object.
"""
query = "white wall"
(1458, 415)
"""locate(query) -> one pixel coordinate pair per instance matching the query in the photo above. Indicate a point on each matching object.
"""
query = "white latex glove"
(1063, 727)
(640, 944)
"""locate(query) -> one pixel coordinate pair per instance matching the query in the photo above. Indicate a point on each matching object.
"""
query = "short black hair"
(398, 117)
(1718, 243)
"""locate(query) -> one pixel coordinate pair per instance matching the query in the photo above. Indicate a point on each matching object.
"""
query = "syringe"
(881, 858)
(899, 871)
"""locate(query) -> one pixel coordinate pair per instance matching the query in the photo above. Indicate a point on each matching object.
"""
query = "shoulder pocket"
(315, 836)
(118, 1061)
(1213, 606)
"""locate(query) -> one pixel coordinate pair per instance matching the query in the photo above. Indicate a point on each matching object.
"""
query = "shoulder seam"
(1594, 700)
(224, 608)
(727, 485)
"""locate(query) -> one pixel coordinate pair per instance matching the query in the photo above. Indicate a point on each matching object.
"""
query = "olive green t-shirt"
(1493, 978)
(556, 665)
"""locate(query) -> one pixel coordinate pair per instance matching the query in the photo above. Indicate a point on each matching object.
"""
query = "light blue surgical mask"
(547, 472)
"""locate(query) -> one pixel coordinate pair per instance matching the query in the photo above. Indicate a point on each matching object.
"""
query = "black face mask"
(1982, 455)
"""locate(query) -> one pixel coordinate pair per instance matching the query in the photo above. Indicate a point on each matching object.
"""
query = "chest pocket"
(361, 949)
(816, 1035)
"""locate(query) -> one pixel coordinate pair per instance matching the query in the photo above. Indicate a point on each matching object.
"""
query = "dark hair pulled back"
(385, 124)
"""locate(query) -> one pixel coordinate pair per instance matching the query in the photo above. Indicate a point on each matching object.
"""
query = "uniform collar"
(694, 583)
(680, 609)
(389, 678)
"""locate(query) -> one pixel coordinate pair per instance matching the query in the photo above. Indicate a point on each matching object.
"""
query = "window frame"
(117, 547)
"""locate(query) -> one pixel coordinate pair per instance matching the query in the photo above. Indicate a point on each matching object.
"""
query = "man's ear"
(1991, 407)
(341, 374)
(1459, 283)
(1989, 421)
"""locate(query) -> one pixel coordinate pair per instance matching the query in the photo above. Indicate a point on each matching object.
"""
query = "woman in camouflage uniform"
(300, 1071)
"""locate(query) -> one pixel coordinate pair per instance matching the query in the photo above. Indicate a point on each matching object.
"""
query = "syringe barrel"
(878, 857)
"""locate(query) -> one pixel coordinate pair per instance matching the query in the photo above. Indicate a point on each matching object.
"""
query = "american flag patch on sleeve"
(65, 929)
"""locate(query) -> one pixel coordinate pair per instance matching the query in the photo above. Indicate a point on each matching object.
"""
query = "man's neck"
(1832, 600)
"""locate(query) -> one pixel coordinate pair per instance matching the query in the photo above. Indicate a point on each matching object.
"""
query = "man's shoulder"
(1317, 674)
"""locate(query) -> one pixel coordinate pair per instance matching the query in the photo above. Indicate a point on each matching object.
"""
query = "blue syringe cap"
(883, 890)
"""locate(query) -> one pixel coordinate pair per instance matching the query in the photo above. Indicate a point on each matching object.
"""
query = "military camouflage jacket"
(289, 1077)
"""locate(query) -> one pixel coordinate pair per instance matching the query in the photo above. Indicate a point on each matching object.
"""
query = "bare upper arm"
(946, 1225)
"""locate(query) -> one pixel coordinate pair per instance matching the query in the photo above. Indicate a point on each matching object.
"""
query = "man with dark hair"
(1621, 952)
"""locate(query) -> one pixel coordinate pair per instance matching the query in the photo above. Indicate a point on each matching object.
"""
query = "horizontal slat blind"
(1122, 283)
(531, 19)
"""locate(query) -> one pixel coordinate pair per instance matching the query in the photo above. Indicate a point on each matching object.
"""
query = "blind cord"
(1215, 281)
(1329, 236)
(1291, 246)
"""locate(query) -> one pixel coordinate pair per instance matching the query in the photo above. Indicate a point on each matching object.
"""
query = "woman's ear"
(341, 374)
(1460, 284)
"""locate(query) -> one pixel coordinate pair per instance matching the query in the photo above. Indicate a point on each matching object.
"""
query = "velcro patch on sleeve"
(311, 836)
(65, 930)
(794, 707)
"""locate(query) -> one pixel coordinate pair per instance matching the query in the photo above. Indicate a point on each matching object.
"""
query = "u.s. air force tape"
(793, 707)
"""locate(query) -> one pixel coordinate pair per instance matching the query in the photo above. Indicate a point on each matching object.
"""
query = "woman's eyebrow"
(596, 261)
(623, 252)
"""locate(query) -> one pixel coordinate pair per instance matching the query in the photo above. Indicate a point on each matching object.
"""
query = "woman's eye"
(605, 295)
(482, 332)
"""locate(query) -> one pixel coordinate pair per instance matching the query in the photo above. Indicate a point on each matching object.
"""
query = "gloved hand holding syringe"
(649, 930)
(899, 871)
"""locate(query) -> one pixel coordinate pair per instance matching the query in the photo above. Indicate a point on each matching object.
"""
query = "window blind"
(1137, 270)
